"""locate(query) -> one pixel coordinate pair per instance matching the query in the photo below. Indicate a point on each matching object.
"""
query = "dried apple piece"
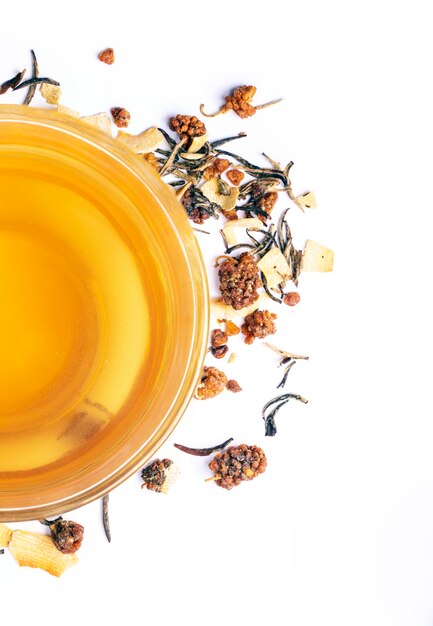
(307, 200)
(50, 93)
(212, 190)
(275, 268)
(316, 258)
(100, 121)
(34, 550)
(226, 311)
(147, 141)
(5, 535)
(234, 227)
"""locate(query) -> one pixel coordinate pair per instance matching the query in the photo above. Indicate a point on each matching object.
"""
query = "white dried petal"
(171, 475)
(100, 121)
(316, 258)
(275, 268)
(51, 93)
(227, 202)
(233, 228)
(147, 141)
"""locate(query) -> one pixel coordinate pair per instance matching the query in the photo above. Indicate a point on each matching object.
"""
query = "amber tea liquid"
(77, 297)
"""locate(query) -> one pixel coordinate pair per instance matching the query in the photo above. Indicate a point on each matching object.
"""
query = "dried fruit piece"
(292, 298)
(218, 338)
(187, 126)
(316, 258)
(51, 93)
(121, 117)
(233, 228)
(212, 383)
(239, 101)
(233, 386)
(219, 352)
(236, 464)
(196, 143)
(151, 159)
(275, 268)
(5, 535)
(147, 141)
(307, 200)
(231, 328)
(100, 121)
(225, 311)
(67, 111)
(107, 56)
(159, 475)
(239, 280)
(258, 325)
(66, 535)
(235, 177)
(34, 550)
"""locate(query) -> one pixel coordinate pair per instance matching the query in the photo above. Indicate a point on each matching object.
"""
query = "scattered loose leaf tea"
(276, 404)
(106, 516)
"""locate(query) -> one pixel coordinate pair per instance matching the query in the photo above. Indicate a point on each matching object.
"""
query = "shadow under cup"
(104, 313)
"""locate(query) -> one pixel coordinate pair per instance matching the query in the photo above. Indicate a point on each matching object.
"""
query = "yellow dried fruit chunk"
(67, 111)
(147, 141)
(5, 535)
(233, 227)
(316, 258)
(275, 268)
(101, 121)
(226, 311)
(227, 202)
(34, 550)
(51, 93)
(197, 143)
(307, 200)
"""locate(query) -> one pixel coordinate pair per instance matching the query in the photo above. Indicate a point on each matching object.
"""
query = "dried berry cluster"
(258, 325)
(187, 126)
(198, 207)
(236, 464)
(213, 381)
(66, 535)
(158, 475)
(240, 101)
(239, 281)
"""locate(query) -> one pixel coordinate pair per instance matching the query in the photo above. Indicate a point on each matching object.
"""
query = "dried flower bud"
(107, 56)
(67, 536)
(121, 117)
(292, 298)
(159, 475)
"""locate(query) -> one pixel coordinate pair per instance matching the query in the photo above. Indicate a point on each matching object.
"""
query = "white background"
(339, 530)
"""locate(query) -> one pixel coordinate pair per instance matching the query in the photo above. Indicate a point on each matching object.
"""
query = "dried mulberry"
(239, 281)
(236, 464)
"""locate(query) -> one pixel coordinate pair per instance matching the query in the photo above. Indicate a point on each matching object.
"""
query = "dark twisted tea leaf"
(286, 373)
(171, 142)
(173, 156)
(203, 451)
(35, 71)
(268, 291)
(1, 551)
(11, 83)
(221, 142)
(106, 516)
(37, 81)
(279, 401)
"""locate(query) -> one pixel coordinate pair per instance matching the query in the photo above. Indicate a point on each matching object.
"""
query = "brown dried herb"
(35, 73)
(106, 516)
(66, 535)
(37, 80)
(107, 56)
(203, 451)
(12, 82)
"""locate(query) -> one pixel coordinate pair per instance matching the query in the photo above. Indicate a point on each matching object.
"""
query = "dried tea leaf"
(275, 268)
(100, 121)
(5, 535)
(211, 190)
(316, 258)
(147, 141)
(226, 311)
(197, 143)
(307, 200)
(67, 111)
(34, 550)
(51, 93)
(233, 227)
